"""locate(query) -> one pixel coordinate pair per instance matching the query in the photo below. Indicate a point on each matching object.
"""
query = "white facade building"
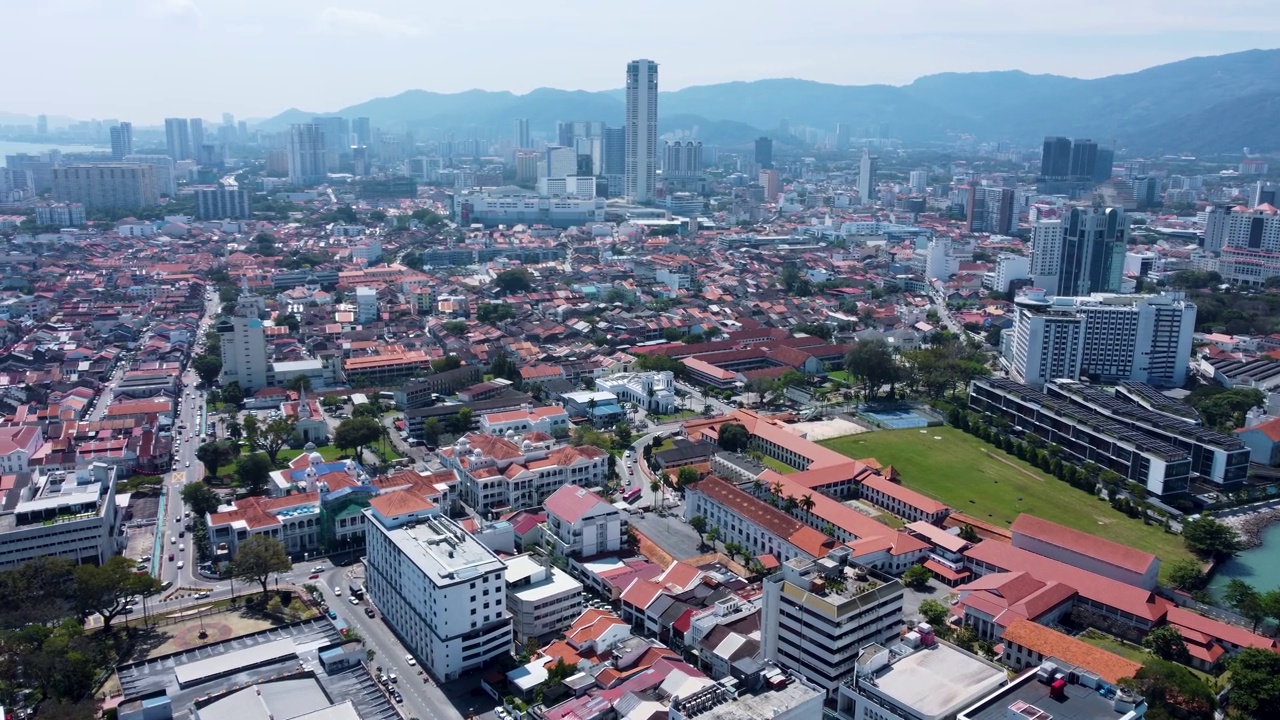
(1046, 253)
(653, 391)
(1248, 241)
(558, 161)
(514, 206)
(641, 130)
(441, 591)
(551, 420)
(366, 305)
(163, 171)
(517, 471)
(71, 515)
(818, 616)
(1144, 338)
(244, 352)
(18, 443)
(919, 180)
(542, 599)
(1010, 267)
(582, 187)
(581, 524)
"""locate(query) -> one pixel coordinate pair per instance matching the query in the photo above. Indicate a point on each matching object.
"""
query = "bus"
(632, 495)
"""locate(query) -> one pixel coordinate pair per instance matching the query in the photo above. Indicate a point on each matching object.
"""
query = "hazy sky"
(142, 60)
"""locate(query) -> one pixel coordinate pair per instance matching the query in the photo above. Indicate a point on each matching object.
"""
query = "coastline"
(1250, 523)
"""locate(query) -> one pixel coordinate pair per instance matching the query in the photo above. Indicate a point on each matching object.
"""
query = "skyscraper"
(1103, 165)
(306, 154)
(337, 141)
(764, 153)
(559, 161)
(1093, 246)
(121, 141)
(42, 124)
(842, 136)
(228, 119)
(1084, 157)
(642, 129)
(1046, 253)
(991, 210)
(177, 137)
(362, 130)
(1056, 158)
(106, 186)
(521, 136)
(867, 169)
(197, 134)
(682, 160)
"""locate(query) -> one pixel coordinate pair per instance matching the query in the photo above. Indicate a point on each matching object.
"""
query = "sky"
(143, 60)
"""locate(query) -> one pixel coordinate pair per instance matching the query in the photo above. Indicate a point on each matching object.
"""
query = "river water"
(1259, 566)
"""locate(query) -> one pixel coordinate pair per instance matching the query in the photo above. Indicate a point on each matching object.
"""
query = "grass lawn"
(777, 465)
(998, 487)
(840, 375)
(681, 415)
(328, 452)
(1125, 650)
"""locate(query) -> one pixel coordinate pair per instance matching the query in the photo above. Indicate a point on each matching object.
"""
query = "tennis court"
(897, 418)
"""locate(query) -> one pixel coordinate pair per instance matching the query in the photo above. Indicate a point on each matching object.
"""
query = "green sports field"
(980, 480)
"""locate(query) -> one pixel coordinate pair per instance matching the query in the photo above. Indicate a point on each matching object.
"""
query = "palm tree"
(790, 503)
(654, 487)
(234, 430)
(806, 502)
(777, 488)
(756, 484)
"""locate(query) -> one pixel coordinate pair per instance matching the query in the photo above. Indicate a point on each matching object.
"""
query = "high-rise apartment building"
(121, 141)
(868, 166)
(842, 136)
(559, 161)
(682, 159)
(1046, 253)
(991, 210)
(1103, 337)
(771, 183)
(336, 139)
(439, 589)
(196, 126)
(106, 186)
(919, 180)
(42, 124)
(224, 201)
(244, 352)
(1104, 164)
(163, 172)
(362, 131)
(569, 130)
(1055, 160)
(764, 153)
(307, 164)
(520, 136)
(177, 137)
(819, 615)
(1094, 241)
(1084, 157)
(527, 167)
(590, 152)
(1265, 193)
(1247, 241)
(642, 130)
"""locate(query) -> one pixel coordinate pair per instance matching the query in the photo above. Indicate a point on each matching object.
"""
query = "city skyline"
(385, 46)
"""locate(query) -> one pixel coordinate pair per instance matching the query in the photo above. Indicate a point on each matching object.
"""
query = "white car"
(354, 600)
(188, 463)
(409, 659)
(318, 568)
(182, 547)
(173, 539)
(337, 592)
(181, 564)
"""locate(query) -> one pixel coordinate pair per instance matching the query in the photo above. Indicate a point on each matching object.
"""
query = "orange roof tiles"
(1111, 553)
(400, 502)
(1051, 643)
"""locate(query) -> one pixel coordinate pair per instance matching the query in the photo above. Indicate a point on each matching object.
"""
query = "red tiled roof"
(400, 502)
(1270, 428)
(1051, 643)
(769, 518)
(1185, 619)
(572, 503)
(1111, 553)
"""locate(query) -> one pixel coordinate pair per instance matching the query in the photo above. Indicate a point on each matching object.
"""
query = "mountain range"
(1202, 106)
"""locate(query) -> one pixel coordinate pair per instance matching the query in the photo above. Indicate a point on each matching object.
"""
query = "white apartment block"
(550, 420)
(163, 172)
(818, 616)
(366, 305)
(541, 598)
(1106, 338)
(61, 514)
(368, 250)
(653, 391)
(506, 206)
(1010, 267)
(441, 591)
(1047, 235)
(523, 471)
(244, 352)
(1247, 241)
(582, 187)
(581, 524)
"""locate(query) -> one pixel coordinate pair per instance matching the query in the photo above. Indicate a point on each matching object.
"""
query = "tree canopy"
(200, 498)
(207, 367)
(1255, 682)
(105, 589)
(873, 364)
(1211, 538)
(214, 455)
(515, 280)
(253, 471)
(275, 435)
(356, 432)
(734, 437)
(257, 558)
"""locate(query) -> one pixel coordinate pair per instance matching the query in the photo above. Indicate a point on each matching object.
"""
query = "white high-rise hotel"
(641, 130)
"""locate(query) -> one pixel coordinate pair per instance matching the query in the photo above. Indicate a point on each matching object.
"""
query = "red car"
(313, 576)
(170, 557)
